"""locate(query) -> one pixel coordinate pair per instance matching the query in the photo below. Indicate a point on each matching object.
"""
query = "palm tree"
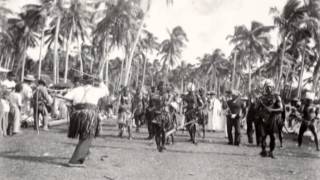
(137, 36)
(24, 32)
(217, 65)
(286, 21)
(171, 49)
(43, 11)
(147, 44)
(256, 42)
(7, 49)
(116, 29)
(74, 23)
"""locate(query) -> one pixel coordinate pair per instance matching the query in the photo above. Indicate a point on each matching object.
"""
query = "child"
(15, 100)
(4, 111)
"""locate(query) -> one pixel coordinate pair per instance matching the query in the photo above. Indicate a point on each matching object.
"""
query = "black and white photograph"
(159, 89)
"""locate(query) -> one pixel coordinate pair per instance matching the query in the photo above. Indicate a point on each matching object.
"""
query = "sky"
(207, 23)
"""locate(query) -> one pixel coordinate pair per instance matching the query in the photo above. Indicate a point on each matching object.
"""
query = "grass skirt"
(84, 122)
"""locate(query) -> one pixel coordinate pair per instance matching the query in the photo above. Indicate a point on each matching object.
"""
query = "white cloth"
(8, 84)
(5, 105)
(16, 99)
(26, 91)
(87, 94)
(217, 117)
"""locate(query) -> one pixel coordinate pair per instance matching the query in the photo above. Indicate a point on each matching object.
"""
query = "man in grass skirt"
(271, 108)
(193, 103)
(83, 120)
(124, 113)
(161, 121)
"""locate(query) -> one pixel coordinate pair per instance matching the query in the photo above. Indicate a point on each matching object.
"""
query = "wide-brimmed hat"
(191, 87)
(211, 93)
(29, 78)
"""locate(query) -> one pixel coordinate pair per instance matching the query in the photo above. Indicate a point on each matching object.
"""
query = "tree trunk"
(40, 53)
(1, 60)
(249, 85)
(302, 71)
(8, 62)
(121, 72)
(283, 51)
(66, 66)
(144, 72)
(55, 55)
(234, 70)
(79, 55)
(137, 75)
(24, 56)
(133, 48)
(182, 83)
(91, 66)
(107, 71)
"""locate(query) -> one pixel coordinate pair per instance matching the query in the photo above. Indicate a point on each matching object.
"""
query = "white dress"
(210, 114)
(219, 117)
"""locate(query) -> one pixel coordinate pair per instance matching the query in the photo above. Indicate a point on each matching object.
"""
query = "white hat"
(191, 87)
(175, 105)
(29, 78)
(310, 95)
(268, 82)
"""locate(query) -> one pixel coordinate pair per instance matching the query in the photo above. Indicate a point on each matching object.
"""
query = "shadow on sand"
(52, 160)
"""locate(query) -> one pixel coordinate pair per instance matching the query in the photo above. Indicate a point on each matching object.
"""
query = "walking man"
(309, 116)
(84, 122)
(233, 118)
(271, 108)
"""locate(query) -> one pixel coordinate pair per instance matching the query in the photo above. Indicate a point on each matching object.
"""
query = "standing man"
(124, 114)
(41, 101)
(309, 116)
(9, 83)
(234, 106)
(150, 112)
(84, 121)
(161, 119)
(137, 109)
(252, 120)
(193, 102)
(271, 108)
(27, 94)
(203, 119)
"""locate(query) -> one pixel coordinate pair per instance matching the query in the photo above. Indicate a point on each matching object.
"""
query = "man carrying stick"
(83, 120)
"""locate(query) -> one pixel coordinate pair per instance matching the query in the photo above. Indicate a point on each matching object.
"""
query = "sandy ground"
(40, 157)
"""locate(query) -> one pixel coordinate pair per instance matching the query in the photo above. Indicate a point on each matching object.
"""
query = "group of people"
(163, 110)
(16, 98)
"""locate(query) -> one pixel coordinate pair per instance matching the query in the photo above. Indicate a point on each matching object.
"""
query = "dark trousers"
(160, 136)
(250, 131)
(257, 129)
(81, 152)
(233, 123)
(192, 129)
(304, 126)
(44, 113)
(149, 116)
(267, 130)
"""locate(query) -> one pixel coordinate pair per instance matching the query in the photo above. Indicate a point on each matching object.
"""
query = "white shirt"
(5, 105)
(16, 99)
(87, 94)
(26, 91)
(8, 84)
